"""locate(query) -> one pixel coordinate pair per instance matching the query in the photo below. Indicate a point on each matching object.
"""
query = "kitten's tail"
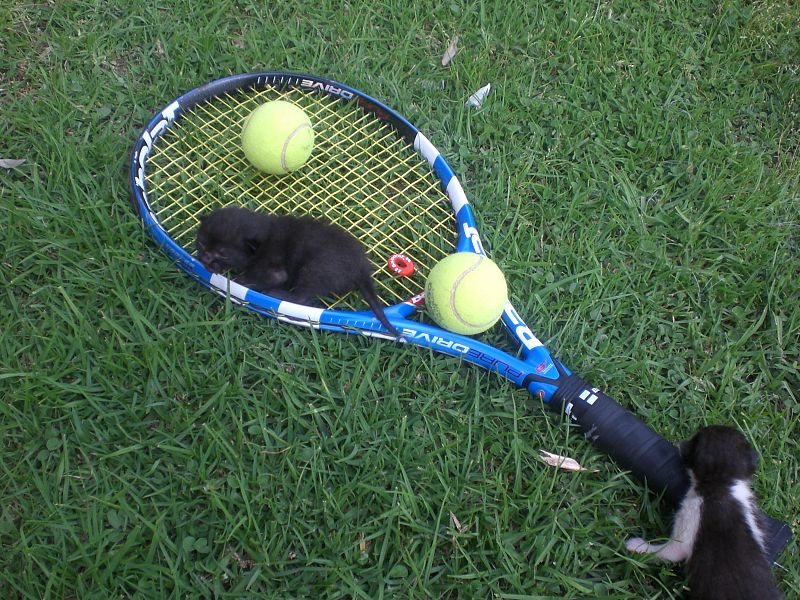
(367, 289)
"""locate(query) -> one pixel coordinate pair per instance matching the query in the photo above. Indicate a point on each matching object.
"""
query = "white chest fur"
(742, 493)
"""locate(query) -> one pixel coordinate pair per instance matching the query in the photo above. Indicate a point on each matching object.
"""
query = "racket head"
(371, 172)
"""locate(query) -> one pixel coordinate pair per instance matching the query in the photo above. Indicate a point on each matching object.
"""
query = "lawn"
(635, 169)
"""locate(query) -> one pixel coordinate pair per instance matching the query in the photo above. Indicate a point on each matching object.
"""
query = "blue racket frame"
(534, 370)
(607, 425)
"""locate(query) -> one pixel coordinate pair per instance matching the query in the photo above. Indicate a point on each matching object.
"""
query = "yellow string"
(360, 176)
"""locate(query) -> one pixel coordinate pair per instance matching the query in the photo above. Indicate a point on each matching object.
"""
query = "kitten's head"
(719, 453)
(229, 237)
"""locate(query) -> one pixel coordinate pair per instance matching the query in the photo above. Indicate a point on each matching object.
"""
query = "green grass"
(636, 171)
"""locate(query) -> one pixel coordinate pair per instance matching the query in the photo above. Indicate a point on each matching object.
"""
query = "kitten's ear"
(753, 459)
(683, 449)
(686, 449)
(255, 233)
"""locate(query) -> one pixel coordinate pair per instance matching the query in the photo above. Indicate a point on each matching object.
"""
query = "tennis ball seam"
(289, 139)
(454, 290)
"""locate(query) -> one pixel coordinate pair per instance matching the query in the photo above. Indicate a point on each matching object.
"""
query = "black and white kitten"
(717, 529)
(290, 258)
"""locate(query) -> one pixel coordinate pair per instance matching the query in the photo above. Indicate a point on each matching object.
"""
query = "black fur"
(291, 258)
(727, 560)
(717, 530)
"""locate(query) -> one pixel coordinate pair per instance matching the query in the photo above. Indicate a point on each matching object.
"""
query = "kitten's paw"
(636, 544)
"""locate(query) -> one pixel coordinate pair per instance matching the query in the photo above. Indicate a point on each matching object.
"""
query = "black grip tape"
(634, 446)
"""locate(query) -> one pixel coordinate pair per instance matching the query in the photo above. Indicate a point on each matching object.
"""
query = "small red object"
(401, 265)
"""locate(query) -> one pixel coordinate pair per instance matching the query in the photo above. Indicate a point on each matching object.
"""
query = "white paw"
(636, 545)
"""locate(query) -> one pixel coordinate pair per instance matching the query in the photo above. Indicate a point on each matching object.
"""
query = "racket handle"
(636, 447)
(618, 433)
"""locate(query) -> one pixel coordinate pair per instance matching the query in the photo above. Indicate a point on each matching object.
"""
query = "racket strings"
(361, 176)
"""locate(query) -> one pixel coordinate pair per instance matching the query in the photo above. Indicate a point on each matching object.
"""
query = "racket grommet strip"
(401, 265)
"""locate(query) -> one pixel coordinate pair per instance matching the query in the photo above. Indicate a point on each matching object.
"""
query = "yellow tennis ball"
(277, 137)
(466, 293)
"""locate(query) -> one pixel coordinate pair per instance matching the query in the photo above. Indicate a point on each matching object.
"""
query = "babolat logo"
(327, 87)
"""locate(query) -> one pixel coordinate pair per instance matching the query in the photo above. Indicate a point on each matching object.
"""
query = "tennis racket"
(374, 174)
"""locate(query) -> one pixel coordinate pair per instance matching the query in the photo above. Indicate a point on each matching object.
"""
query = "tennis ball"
(277, 137)
(466, 293)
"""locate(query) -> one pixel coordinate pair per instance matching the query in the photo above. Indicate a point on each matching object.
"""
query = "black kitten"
(717, 528)
(290, 258)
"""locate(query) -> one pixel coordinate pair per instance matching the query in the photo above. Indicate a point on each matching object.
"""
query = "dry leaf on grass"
(450, 52)
(457, 524)
(562, 462)
(11, 163)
